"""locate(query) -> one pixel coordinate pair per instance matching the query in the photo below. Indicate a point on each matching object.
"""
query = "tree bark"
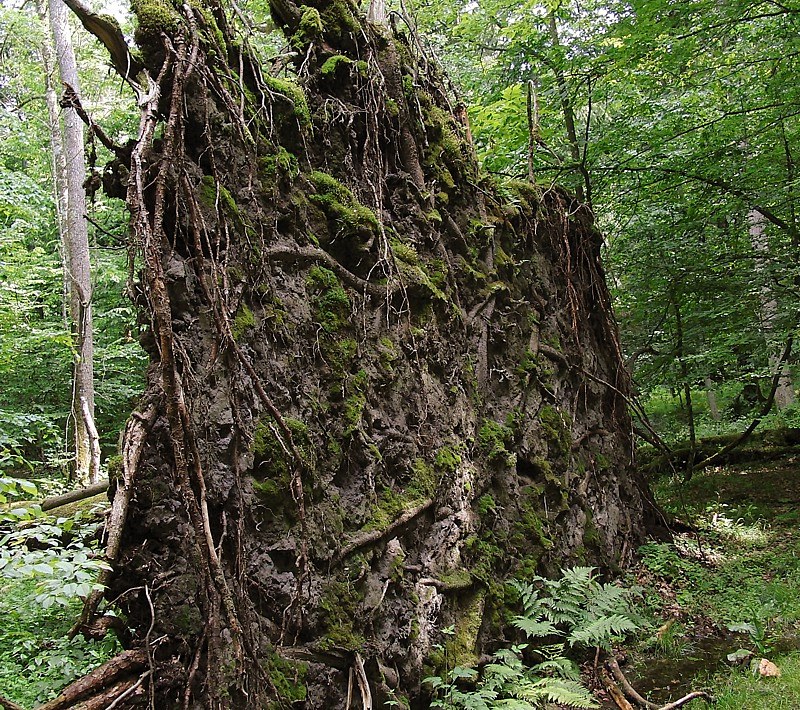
(70, 145)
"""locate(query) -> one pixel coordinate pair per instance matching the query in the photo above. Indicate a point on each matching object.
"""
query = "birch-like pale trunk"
(70, 171)
(784, 394)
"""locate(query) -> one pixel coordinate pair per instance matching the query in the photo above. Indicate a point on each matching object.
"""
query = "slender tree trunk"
(687, 385)
(711, 394)
(68, 148)
(784, 394)
(583, 190)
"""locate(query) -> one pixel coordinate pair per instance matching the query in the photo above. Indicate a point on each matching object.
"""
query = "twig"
(686, 698)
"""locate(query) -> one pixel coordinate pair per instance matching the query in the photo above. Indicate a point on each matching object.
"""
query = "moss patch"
(493, 440)
(340, 605)
(288, 678)
(294, 94)
(330, 303)
(555, 430)
(340, 205)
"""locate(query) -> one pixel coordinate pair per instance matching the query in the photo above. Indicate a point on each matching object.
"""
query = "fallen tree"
(380, 383)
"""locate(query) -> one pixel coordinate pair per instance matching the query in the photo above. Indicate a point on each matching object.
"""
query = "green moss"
(214, 195)
(493, 439)
(154, 17)
(423, 482)
(243, 320)
(339, 204)
(486, 504)
(270, 453)
(392, 108)
(602, 462)
(333, 63)
(555, 430)
(354, 402)
(212, 34)
(339, 19)
(528, 365)
(339, 354)
(437, 272)
(404, 252)
(114, 467)
(524, 192)
(462, 647)
(340, 604)
(530, 528)
(387, 354)
(296, 96)
(330, 303)
(447, 459)
(288, 678)
(280, 164)
(435, 216)
(309, 28)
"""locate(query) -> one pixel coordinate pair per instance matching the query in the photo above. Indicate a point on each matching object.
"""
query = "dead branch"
(94, 441)
(616, 694)
(110, 34)
(9, 704)
(373, 536)
(686, 698)
(74, 496)
(95, 683)
(136, 430)
(630, 691)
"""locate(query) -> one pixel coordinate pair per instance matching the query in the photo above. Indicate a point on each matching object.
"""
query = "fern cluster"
(574, 611)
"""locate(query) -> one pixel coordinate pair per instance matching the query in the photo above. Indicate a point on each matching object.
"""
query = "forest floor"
(733, 583)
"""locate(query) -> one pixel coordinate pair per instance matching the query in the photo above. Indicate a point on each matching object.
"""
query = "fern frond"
(600, 631)
(567, 692)
(534, 628)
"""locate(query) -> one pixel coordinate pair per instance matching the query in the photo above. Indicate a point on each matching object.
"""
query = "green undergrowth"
(732, 584)
(36, 658)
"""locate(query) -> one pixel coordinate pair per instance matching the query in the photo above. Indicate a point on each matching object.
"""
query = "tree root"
(631, 692)
(316, 254)
(373, 536)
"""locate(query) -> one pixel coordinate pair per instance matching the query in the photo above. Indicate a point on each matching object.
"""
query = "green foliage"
(36, 658)
(577, 609)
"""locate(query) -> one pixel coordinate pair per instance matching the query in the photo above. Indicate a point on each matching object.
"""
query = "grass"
(742, 569)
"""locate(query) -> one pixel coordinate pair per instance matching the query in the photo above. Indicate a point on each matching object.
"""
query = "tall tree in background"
(69, 173)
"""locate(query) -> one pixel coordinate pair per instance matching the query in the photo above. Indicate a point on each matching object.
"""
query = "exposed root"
(373, 536)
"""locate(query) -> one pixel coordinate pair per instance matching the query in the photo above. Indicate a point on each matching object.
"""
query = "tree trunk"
(379, 392)
(68, 150)
(711, 395)
(784, 395)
